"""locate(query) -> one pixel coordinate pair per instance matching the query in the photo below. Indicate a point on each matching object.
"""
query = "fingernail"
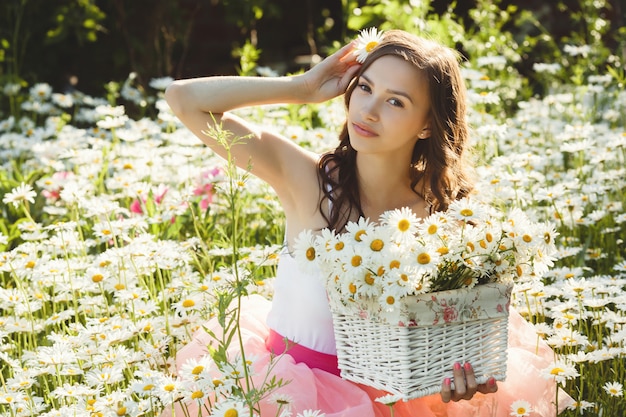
(457, 366)
(447, 382)
(491, 381)
(467, 366)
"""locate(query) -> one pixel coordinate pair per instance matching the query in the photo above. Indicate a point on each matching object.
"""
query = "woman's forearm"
(223, 93)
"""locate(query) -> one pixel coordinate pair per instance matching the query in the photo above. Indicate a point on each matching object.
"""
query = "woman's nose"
(370, 110)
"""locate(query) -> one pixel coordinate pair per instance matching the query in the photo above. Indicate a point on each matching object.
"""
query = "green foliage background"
(86, 43)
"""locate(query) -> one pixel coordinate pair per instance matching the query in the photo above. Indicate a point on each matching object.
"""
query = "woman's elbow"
(173, 96)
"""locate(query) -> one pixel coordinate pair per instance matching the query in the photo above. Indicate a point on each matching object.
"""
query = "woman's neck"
(384, 184)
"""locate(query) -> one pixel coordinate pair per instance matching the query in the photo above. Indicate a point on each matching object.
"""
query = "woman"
(404, 144)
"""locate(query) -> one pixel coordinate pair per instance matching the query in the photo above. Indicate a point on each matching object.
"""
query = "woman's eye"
(396, 102)
(364, 87)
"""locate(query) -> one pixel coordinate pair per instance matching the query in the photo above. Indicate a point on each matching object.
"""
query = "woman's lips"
(363, 130)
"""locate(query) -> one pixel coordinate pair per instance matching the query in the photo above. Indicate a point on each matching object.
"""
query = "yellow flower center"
(423, 258)
(352, 288)
(521, 411)
(467, 212)
(377, 245)
(547, 237)
(189, 303)
(369, 278)
(394, 264)
(339, 245)
(356, 260)
(443, 250)
(197, 394)
(97, 278)
(231, 413)
(169, 387)
(527, 238)
(557, 371)
(390, 300)
(432, 229)
(197, 370)
(357, 235)
(370, 46)
(403, 225)
(310, 254)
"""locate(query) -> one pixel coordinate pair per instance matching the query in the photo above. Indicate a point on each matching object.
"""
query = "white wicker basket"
(411, 359)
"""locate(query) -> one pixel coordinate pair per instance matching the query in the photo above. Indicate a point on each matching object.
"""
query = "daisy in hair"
(366, 42)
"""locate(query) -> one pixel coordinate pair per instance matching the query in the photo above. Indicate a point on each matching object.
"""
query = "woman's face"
(389, 108)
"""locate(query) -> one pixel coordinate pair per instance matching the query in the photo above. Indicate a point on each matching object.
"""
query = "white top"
(300, 310)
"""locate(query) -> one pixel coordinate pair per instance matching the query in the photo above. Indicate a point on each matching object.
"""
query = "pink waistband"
(312, 358)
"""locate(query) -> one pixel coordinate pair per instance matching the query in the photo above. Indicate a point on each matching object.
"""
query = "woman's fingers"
(489, 387)
(446, 390)
(465, 386)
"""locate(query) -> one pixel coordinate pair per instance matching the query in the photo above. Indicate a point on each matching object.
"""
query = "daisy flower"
(229, 408)
(20, 194)
(281, 400)
(425, 258)
(389, 399)
(358, 230)
(560, 371)
(402, 223)
(467, 210)
(521, 408)
(366, 42)
(306, 250)
(614, 389)
(433, 226)
(311, 413)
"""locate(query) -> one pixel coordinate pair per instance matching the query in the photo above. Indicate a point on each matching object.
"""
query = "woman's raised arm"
(200, 103)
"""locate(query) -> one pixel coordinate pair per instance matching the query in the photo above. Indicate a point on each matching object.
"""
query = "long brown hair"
(439, 163)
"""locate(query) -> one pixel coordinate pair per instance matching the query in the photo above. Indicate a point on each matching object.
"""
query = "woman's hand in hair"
(331, 77)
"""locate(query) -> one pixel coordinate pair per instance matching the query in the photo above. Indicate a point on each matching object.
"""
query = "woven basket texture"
(412, 361)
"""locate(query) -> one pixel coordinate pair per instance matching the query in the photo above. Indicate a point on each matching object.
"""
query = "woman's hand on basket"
(465, 385)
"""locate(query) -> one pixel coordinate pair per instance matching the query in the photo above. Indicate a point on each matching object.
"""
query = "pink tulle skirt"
(312, 388)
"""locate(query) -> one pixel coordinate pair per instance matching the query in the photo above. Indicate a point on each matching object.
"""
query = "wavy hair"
(439, 163)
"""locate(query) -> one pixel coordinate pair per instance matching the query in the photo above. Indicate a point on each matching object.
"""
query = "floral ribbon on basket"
(442, 307)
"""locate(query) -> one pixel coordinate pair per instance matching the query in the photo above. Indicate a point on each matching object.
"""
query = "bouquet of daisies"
(377, 265)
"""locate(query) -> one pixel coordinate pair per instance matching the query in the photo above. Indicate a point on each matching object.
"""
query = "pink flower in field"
(137, 206)
(52, 186)
(204, 188)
